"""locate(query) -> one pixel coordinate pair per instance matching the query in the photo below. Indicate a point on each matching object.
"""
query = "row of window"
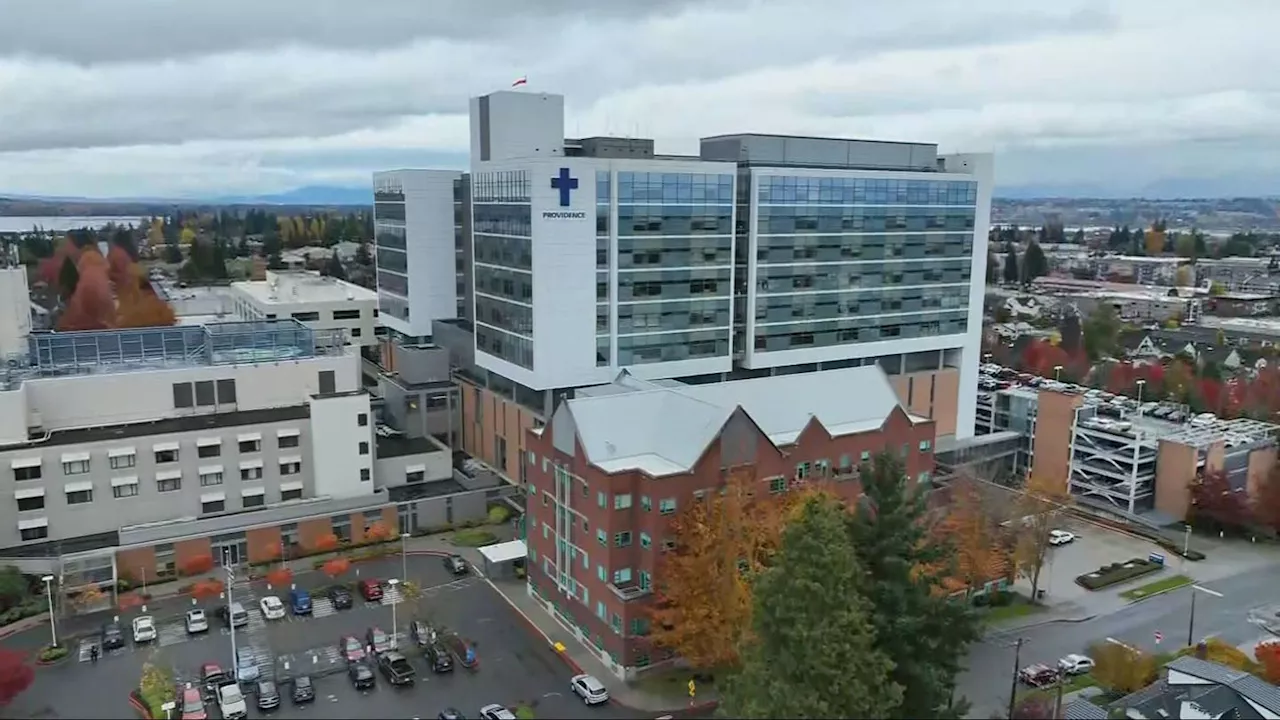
(503, 283)
(820, 333)
(128, 486)
(828, 190)
(646, 285)
(783, 279)
(388, 211)
(670, 220)
(673, 346)
(672, 187)
(389, 236)
(163, 454)
(835, 248)
(501, 186)
(788, 220)
(504, 315)
(503, 345)
(675, 315)
(393, 259)
(513, 252)
(782, 308)
(393, 283)
(646, 252)
(502, 220)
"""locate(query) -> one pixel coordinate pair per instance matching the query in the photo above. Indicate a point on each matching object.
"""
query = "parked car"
(303, 690)
(112, 636)
(378, 640)
(351, 648)
(370, 589)
(197, 622)
(1060, 537)
(211, 677)
(1076, 664)
(339, 597)
(300, 601)
(438, 658)
(361, 676)
(591, 690)
(144, 629)
(272, 608)
(496, 712)
(233, 615)
(268, 695)
(396, 668)
(1038, 675)
(246, 665)
(450, 714)
(191, 703)
(456, 565)
(422, 633)
(231, 701)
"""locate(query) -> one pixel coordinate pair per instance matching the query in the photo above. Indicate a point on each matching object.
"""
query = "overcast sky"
(179, 98)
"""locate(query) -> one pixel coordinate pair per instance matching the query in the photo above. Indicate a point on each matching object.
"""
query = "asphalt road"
(991, 663)
(515, 668)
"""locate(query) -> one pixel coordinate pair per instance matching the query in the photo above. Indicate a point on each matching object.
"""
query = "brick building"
(617, 463)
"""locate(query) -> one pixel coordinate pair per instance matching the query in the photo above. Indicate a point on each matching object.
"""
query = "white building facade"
(321, 303)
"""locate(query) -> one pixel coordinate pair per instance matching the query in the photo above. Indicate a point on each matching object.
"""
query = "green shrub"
(474, 537)
(499, 514)
(156, 688)
(1117, 573)
(52, 653)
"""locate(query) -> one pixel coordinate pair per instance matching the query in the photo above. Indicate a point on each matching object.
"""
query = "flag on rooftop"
(520, 82)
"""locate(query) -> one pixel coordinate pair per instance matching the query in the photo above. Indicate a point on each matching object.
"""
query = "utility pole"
(1013, 685)
(1057, 703)
(231, 580)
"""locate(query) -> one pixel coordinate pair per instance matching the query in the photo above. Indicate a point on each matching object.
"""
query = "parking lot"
(1093, 547)
(515, 668)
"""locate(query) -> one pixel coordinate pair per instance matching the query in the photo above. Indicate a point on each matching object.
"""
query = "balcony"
(629, 591)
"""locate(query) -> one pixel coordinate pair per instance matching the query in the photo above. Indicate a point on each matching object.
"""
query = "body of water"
(12, 223)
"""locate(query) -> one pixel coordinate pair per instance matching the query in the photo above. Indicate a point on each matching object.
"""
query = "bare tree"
(1039, 507)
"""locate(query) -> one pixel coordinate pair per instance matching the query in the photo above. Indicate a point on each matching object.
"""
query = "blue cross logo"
(565, 184)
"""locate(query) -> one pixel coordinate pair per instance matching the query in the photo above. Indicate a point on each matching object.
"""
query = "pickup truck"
(396, 668)
(231, 701)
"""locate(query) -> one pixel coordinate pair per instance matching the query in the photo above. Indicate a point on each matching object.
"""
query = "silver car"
(246, 665)
(197, 622)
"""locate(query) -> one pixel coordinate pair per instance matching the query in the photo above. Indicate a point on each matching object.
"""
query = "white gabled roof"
(663, 427)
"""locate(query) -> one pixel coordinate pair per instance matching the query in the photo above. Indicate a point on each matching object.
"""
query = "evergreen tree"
(813, 653)
(1011, 274)
(924, 631)
(1034, 263)
(333, 268)
(68, 278)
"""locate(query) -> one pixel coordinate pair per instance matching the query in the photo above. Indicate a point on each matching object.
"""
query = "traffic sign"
(1159, 637)
(693, 689)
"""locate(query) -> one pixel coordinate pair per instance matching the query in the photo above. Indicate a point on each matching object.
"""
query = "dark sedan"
(455, 564)
(303, 691)
(361, 676)
(339, 597)
(438, 658)
(112, 636)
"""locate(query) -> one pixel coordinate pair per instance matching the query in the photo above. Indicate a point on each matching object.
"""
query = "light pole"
(395, 600)
(1140, 384)
(404, 555)
(231, 580)
(1191, 622)
(1057, 373)
(53, 625)
(1013, 685)
(144, 580)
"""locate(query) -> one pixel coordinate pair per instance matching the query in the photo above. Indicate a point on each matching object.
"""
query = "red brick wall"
(132, 563)
(187, 550)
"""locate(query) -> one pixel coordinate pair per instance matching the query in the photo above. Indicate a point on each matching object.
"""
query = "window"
(645, 503)
(35, 533)
(602, 538)
(600, 611)
(183, 397)
(342, 527)
(639, 626)
(204, 394)
(328, 381)
(364, 474)
(415, 476)
(27, 473)
(290, 494)
(27, 504)
(777, 485)
(667, 506)
(250, 446)
(290, 468)
(79, 497)
(645, 580)
(923, 477)
(208, 451)
(585, 525)
(210, 478)
(622, 502)
(802, 470)
(362, 419)
(364, 447)
(600, 499)
(167, 455)
(645, 540)
(251, 473)
(288, 441)
(346, 314)
(75, 467)
(169, 484)
(925, 445)
(124, 487)
(622, 576)
(668, 544)
(227, 392)
(123, 461)
(616, 623)
(845, 463)
(600, 572)
(865, 457)
(306, 316)
(622, 539)
(208, 507)
(252, 501)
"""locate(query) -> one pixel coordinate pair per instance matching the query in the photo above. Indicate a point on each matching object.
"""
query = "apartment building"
(318, 302)
(617, 462)
(130, 452)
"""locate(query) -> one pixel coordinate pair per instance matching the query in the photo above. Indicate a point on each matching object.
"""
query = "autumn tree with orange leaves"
(93, 305)
(703, 600)
(973, 526)
(377, 532)
(1039, 511)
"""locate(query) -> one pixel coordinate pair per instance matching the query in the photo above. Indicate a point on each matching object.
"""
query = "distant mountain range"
(310, 195)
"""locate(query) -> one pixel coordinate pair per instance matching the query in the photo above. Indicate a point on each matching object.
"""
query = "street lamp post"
(404, 555)
(231, 580)
(393, 582)
(144, 580)
(1057, 373)
(53, 625)
(1013, 685)
(1191, 621)
(1140, 384)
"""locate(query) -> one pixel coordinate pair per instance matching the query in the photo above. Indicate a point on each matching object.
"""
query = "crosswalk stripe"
(322, 607)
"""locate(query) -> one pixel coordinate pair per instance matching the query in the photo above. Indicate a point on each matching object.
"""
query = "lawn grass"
(1073, 683)
(673, 684)
(1019, 607)
(1161, 585)
(474, 537)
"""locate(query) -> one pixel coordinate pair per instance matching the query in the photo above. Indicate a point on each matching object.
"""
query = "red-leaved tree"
(120, 267)
(197, 565)
(92, 306)
(324, 543)
(280, 576)
(51, 267)
(206, 589)
(336, 567)
(15, 675)
(1268, 656)
(1216, 504)
(1120, 379)
(1265, 504)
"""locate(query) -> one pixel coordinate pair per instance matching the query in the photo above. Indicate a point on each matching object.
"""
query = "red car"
(351, 648)
(192, 703)
(370, 589)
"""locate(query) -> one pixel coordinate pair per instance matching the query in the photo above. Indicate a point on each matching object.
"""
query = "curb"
(1158, 593)
(143, 712)
(23, 625)
(577, 669)
(997, 632)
